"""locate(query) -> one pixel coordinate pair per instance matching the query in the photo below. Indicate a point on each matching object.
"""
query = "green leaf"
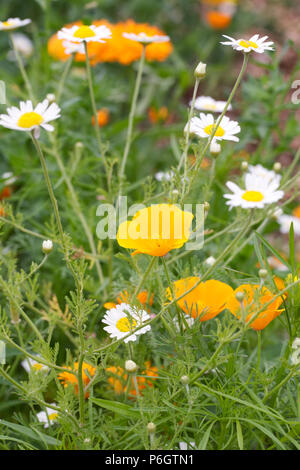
(239, 434)
(205, 438)
(26, 431)
(117, 407)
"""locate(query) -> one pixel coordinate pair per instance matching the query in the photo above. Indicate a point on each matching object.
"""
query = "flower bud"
(79, 145)
(206, 206)
(184, 379)
(263, 273)
(151, 428)
(51, 97)
(200, 70)
(47, 246)
(215, 149)
(210, 261)
(131, 366)
(277, 167)
(239, 296)
(244, 166)
(277, 213)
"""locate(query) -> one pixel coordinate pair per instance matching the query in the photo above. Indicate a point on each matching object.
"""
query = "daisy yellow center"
(53, 416)
(253, 196)
(84, 32)
(37, 366)
(125, 325)
(209, 130)
(30, 119)
(210, 106)
(247, 44)
(7, 23)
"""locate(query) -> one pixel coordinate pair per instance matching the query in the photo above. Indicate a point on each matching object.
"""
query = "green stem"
(147, 272)
(131, 116)
(258, 351)
(65, 73)
(80, 381)
(22, 69)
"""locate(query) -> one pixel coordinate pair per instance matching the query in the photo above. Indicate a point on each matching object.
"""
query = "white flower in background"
(30, 364)
(51, 97)
(296, 343)
(164, 175)
(210, 261)
(123, 319)
(275, 263)
(187, 445)
(47, 246)
(286, 220)
(295, 357)
(23, 45)
(13, 23)
(145, 39)
(206, 103)
(264, 173)
(85, 33)
(27, 118)
(73, 47)
(48, 416)
(205, 125)
(9, 178)
(188, 320)
(257, 193)
(255, 43)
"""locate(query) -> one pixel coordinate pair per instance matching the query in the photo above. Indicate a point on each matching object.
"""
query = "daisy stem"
(132, 115)
(93, 101)
(147, 272)
(258, 351)
(80, 381)
(65, 73)
(231, 96)
(22, 69)
(183, 159)
(54, 203)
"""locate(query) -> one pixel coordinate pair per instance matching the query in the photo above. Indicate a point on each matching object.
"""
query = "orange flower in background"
(118, 48)
(218, 20)
(67, 378)
(142, 297)
(5, 193)
(205, 301)
(156, 230)
(254, 299)
(158, 115)
(118, 379)
(103, 117)
(296, 212)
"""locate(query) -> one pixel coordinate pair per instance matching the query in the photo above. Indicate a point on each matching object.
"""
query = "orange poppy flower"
(103, 117)
(156, 230)
(142, 297)
(296, 212)
(205, 301)
(5, 193)
(67, 378)
(254, 299)
(118, 379)
(218, 20)
(158, 115)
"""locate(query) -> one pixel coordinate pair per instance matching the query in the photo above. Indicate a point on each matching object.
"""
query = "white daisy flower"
(9, 178)
(85, 33)
(257, 193)
(145, 39)
(187, 445)
(262, 172)
(48, 416)
(122, 319)
(30, 364)
(275, 263)
(255, 43)
(73, 47)
(27, 118)
(285, 222)
(206, 103)
(164, 175)
(13, 23)
(204, 126)
(188, 320)
(296, 343)
(295, 357)
(23, 45)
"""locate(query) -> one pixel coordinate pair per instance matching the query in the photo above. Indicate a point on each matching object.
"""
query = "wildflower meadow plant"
(143, 340)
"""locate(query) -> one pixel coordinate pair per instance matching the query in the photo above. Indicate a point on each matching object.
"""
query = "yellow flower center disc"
(209, 129)
(125, 325)
(53, 416)
(30, 119)
(37, 366)
(246, 44)
(84, 32)
(253, 196)
(7, 23)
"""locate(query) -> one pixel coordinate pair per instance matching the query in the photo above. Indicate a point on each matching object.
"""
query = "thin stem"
(131, 116)
(22, 69)
(65, 73)
(147, 272)
(80, 381)
(258, 351)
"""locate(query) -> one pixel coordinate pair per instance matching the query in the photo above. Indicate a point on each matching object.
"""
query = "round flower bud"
(277, 213)
(47, 246)
(200, 70)
(215, 149)
(277, 167)
(151, 428)
(263, 273)
(79, 145)
(244, 166)
(239, 296)
(184, 379)
(51, 97)
(206, 206)
(130, 366)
